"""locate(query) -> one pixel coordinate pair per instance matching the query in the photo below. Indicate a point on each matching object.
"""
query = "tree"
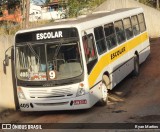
(74, 6)
(47, 1)
(152, 3)
(27, 13)
(157, 4)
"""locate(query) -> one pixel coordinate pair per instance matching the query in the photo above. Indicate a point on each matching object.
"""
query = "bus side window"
(135, 25)
(100, 40)
(110, 35)
(142, 22)
(120, 31)
(128, 28)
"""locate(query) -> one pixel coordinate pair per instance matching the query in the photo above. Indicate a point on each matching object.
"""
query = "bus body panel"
(125, 60)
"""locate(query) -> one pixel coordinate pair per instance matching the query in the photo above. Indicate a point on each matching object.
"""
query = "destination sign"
(49, 35)
(46, 35)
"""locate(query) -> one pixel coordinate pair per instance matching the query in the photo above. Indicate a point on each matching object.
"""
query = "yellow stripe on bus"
(111, 56)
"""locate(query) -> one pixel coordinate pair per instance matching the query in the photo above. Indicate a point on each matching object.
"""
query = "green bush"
(75, 6)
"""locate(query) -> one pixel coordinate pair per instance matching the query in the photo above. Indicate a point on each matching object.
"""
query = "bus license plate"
(78, 102)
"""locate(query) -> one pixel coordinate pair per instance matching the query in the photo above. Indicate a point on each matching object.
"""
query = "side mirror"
(6, 60)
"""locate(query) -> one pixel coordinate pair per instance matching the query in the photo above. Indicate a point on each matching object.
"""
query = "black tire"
(135, 71)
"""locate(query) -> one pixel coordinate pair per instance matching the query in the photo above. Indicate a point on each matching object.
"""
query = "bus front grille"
(52, 104)
(50, 93)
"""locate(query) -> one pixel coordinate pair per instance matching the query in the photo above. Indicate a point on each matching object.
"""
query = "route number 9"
(52, 74)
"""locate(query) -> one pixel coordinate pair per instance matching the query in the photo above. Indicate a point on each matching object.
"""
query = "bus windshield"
(48, 61)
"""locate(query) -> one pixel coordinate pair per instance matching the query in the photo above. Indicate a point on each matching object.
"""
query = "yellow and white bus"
(73, 63)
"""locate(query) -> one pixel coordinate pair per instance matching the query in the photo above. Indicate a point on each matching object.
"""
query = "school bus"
(73, 63)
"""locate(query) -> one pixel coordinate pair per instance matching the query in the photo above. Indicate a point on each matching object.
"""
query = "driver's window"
(89, 48)
(90, 51)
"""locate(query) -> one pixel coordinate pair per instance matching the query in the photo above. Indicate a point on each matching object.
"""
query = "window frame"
(100, 40)
(143, 22)
(111, 35)
(118, 32)
(138, 31)
(132, 34)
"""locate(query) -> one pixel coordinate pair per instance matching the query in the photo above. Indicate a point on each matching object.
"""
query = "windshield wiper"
(33, 51)
(55, 55)
(57, 51)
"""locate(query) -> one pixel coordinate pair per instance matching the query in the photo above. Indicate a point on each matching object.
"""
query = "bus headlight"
(20, 93)
(21, 96)
(81, 91)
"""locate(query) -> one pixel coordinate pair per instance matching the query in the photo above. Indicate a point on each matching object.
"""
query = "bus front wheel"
(104, 90)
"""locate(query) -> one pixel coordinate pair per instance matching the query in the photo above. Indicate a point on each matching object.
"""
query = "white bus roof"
(89, 21)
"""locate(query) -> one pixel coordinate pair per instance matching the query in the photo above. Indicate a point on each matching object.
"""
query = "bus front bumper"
(81, 102)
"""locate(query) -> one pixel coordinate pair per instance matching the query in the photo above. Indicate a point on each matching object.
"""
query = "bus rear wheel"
(104, 90)
(135, 71)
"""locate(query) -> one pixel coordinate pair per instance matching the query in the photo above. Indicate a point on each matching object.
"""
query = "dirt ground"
(136, 100)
